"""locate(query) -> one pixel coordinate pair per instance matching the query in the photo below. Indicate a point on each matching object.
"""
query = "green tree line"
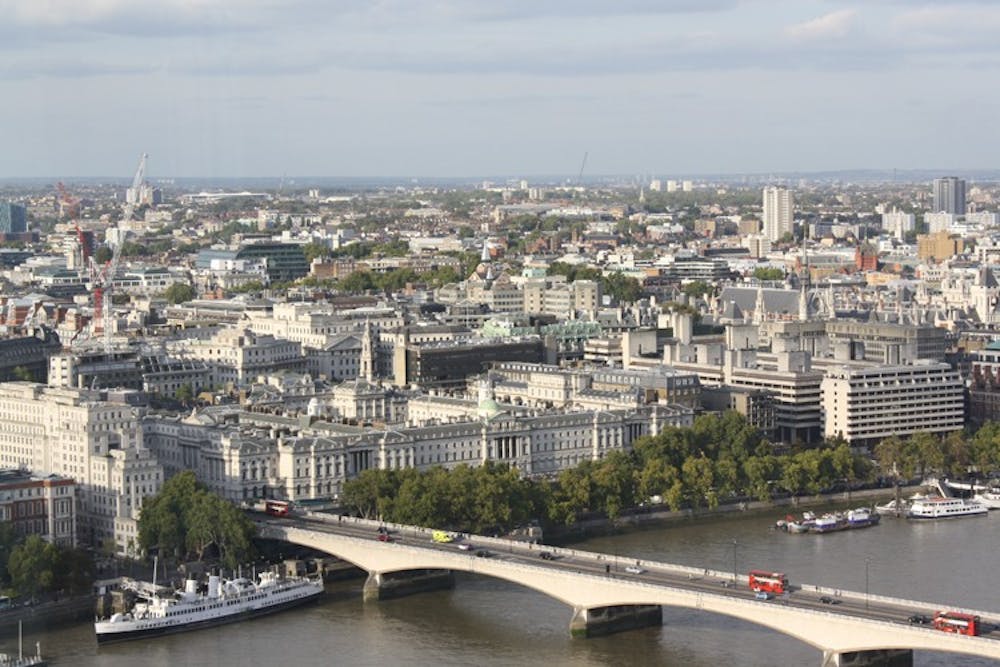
(718, 459)
(622, 288)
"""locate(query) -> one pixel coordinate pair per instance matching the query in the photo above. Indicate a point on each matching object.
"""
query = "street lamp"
(734, 563)
(868, 562)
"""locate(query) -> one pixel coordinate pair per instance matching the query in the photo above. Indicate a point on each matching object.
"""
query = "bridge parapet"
(833, 632)
(620, 562)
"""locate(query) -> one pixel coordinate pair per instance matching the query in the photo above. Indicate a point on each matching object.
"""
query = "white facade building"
(899, 223)
(98, 443)
(237, 356)
(778, 211)
(865, 405)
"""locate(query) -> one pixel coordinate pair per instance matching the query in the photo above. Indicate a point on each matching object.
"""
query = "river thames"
(489, 622)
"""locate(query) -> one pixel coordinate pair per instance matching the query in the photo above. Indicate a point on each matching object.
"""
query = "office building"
(949, 195)
(898, 224)
(867, 405)
(13, 218)
(778, 205)
(939, 246)
(92, 437)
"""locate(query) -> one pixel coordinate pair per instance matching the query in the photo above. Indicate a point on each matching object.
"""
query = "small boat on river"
(830, 522)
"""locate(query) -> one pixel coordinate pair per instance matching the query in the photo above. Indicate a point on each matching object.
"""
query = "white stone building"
(98, 443)
(866, 405)
(237, 356)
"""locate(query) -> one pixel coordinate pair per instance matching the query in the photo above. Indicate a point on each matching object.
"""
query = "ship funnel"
(190, 587)
(213, 586)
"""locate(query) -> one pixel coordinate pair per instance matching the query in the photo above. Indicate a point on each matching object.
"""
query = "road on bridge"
(652, 572)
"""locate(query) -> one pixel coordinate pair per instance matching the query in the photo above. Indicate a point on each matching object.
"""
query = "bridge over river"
(610, 593)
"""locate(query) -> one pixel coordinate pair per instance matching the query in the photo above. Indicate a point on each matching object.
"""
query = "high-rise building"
(949, 195)
(899, 223)
(13, 218)
(778, 206)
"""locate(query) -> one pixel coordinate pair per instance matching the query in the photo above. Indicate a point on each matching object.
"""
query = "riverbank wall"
(46, 614)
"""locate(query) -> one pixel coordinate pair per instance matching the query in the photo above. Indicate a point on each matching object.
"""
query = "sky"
(459, 88)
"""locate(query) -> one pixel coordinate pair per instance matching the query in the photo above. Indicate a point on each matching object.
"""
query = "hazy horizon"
(399, 90)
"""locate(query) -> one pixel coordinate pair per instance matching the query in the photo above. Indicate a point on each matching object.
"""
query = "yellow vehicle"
(442, 537)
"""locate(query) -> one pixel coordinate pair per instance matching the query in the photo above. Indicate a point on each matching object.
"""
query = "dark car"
(483, 553)
(826, 599)
(919, 619)
(384, 537)
(547, 555)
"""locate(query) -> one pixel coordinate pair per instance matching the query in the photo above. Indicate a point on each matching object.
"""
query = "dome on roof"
(488, 409)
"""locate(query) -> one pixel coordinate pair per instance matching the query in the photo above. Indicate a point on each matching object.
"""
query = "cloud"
(834, 25)
(17, 69)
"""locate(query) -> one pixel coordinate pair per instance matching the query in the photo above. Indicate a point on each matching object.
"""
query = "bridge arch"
(823, 630)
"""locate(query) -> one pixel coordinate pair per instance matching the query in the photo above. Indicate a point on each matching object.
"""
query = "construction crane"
(102, 277)
(69, 205)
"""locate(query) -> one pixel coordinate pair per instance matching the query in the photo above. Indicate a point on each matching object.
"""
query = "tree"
(185, 518)
(8, 540)
(357, 283)
(624, 289)
(32, 566)
(179, 293)
(927, 452)
(768, 273)
(697, 289)
(895, 457)
(614, 478)
(184, 393)
(699, 479)
(315, 250)
(103, 255)
(23, 374)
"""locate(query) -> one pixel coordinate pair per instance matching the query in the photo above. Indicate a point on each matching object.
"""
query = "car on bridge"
(826, 599)
(919, 619)
(763, 595)
(547, 555)
(634, 569)
(466, 546)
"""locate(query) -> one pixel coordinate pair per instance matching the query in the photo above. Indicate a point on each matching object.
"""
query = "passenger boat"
(225, 601)
(862, 517)
(829, 523)
(990, 498)
(945, 508)
(904, 505)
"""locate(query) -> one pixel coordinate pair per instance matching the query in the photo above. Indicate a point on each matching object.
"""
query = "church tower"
(367, 354)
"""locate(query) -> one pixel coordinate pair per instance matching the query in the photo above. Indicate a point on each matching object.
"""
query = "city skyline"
(258, 88)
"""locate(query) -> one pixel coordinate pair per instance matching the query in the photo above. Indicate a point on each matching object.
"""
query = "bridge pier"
(889, 657)
(389, 585)
(599, 621)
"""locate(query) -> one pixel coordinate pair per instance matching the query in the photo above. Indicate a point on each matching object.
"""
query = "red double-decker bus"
(277, 507)
(770, 582)
(957, 622)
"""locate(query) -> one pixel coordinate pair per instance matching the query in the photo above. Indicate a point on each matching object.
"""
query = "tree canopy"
(719, 459)
(185, 519)
(179, 293)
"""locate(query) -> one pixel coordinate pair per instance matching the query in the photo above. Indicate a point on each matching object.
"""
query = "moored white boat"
(945, 508)
(904, 505)
(225, 601)
(990, 498)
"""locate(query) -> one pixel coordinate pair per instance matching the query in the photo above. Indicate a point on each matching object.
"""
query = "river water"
(489, 622)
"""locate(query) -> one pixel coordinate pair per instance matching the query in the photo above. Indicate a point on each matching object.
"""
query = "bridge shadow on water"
(483, 617)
